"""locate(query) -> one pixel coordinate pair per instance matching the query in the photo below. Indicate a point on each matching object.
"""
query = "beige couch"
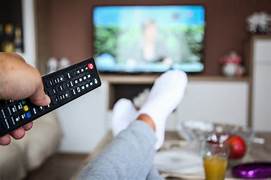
(29, 153)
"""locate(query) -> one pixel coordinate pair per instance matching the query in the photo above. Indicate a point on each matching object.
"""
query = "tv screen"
(150, 39)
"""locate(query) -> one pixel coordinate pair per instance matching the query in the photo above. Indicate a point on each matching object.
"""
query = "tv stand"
(149, 78)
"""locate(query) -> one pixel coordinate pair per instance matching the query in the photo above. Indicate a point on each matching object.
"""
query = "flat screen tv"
(148, 39)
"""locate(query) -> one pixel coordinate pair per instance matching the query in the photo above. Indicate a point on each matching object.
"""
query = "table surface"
(257, 152)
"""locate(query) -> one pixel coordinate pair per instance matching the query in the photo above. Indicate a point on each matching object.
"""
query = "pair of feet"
(165, 95)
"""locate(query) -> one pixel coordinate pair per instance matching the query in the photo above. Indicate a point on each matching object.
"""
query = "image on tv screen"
(149, 38)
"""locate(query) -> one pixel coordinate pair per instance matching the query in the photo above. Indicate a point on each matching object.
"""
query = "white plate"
(179, 161)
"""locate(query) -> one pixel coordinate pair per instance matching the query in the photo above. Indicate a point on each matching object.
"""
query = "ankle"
(147, 119)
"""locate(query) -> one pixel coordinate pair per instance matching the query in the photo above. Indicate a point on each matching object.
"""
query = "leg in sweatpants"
(128, 157)
(154, 174)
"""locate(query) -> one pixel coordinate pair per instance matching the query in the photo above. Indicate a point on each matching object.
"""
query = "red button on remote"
(90, 66)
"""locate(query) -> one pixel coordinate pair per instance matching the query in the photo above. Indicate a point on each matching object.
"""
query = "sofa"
(27, 154)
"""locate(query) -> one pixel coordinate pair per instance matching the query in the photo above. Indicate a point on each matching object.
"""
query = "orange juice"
(215, 167)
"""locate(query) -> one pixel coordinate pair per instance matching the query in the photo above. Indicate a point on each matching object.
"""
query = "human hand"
(18, 80)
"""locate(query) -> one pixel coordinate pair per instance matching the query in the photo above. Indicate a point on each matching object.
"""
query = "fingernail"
(48, 100)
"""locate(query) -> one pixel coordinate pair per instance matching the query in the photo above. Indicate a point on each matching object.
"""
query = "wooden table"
(257, 152)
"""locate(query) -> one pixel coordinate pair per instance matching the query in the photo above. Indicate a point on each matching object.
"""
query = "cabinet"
(215, 101)
(261, 88)
(20, 14)
(214, 98)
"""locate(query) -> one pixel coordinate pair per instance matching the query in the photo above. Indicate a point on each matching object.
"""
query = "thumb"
(39, 98)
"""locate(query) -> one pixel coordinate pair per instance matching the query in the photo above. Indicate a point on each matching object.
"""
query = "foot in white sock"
(124, 113)
(164, 97)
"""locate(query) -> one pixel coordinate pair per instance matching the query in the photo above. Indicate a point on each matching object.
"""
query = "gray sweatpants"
(128, 157)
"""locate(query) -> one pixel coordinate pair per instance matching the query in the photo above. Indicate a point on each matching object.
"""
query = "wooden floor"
(58, 167)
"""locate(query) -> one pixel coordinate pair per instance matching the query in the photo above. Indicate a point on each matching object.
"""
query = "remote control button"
(9, 111)
(6, 124)
(34, 110)
(28, 115)
(69, 75)
(67, 95)
(73, 92)
(60, 88)
(26, 108)
(17, 119)
(14, 108)
(48, 83)
(12, 120)
(61, 78)
(23, 116)
(19, 106)
(90, 66)
(3, 113)
(78, 89)
(71, 83)
(95, 81)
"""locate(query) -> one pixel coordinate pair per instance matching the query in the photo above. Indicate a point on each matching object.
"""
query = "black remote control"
(62, 87)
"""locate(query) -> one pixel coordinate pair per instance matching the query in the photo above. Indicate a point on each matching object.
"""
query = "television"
(148, 39)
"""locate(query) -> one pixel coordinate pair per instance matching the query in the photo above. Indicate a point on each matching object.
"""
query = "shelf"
(148, 79)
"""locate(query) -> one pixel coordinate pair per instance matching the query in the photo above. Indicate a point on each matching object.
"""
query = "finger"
(5, 140)
(28, 126)
(18, 133)
(39, 97)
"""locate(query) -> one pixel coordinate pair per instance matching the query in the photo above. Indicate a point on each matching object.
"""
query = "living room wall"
(66, 26)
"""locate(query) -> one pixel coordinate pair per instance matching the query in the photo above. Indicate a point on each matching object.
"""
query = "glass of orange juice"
(215, 160)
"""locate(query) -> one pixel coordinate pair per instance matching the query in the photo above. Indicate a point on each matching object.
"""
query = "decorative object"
(55, 64)
(52, 65)
(63, 63)
(259, 22)
(232, 65)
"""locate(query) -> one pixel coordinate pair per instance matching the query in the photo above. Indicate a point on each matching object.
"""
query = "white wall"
(84, 121)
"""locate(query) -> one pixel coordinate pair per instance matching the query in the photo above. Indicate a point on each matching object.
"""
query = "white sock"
(164, 97)
(124, 113)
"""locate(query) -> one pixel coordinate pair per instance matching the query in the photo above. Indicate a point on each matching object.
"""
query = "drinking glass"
(215, 160)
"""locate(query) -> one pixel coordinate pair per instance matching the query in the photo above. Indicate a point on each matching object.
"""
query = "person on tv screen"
(152, 44)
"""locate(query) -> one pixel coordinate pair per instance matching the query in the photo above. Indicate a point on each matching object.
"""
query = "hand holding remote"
(23, 92)
(18, 80)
